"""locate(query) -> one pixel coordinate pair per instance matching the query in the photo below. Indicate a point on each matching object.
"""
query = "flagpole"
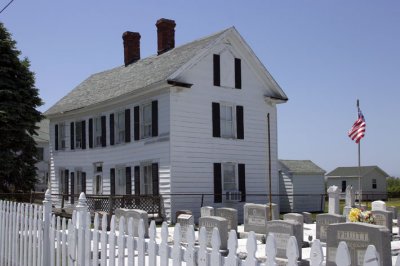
(269, 168)
(359, 165)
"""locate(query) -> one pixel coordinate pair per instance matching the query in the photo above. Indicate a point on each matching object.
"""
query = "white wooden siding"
(194, 150)
(310, 186)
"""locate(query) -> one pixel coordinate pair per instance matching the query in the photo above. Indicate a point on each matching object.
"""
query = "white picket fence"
(30, 236)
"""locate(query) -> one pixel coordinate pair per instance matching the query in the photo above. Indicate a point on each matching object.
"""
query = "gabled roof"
(152, 70)
(302, 166)
(353, 171)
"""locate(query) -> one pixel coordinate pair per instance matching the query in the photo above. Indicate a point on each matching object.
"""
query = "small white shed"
(301, 186)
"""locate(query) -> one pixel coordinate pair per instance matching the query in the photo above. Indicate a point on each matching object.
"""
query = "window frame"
(78, 124)
(97, 174)
(146, 168)
(236, 176)
(224, 121)
(119, 129)
(146, 124)
(77, 181)
(97, 131)
(374, 183)
(61, 180)
(120, 180)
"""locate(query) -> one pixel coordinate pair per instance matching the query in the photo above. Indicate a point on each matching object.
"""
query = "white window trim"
(235, 165)
(76, 134)
(233, 106)
(142, 177)
(117, 179)
(78, 173)
(97, 134)
(95, 174)
(142, 120)
(118, 130)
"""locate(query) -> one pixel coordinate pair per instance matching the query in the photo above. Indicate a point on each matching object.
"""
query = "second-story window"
(120, 127)
(97, 132)
(226, 121)
(146, 121)
(78, 134)
(60, 135)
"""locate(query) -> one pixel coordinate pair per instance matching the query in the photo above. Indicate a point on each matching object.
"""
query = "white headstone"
(185, 221)
(378, 205)
(206, 211)
(350, 196)
(333, 192)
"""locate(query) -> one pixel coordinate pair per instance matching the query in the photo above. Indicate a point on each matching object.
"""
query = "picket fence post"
(46, 228)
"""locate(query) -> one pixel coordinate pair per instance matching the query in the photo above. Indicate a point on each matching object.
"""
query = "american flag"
(357, 131)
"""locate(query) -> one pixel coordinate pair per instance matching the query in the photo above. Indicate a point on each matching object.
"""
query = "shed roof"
(302, 166)
(353, 171)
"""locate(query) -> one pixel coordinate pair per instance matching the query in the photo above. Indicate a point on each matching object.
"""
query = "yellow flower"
(354, 215)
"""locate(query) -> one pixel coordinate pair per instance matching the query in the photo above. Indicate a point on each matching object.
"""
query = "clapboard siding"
(310, 187)
(194, 150)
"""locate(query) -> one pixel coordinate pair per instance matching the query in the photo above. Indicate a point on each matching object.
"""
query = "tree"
(19, 99)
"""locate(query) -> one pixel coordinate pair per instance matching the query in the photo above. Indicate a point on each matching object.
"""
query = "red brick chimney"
(131, 47)
(165, 35)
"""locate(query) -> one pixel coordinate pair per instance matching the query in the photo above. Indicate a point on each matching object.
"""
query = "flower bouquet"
(356, 215)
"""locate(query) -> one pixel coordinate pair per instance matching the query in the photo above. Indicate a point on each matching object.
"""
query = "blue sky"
(324, 54)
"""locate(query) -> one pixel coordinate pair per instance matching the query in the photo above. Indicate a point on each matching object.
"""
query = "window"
(63, 181)
(374, 183)
(120, 127)
(223, 72)
(78, 182)
(98, 178)
(78, 134)
(226, 121)
(229, 177)
(40, 152)
(147, 183)
(344, 185)
(97, 132)
(120, 181)
(146, 121)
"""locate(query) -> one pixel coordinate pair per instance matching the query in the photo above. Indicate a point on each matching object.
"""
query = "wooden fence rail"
(30, 236)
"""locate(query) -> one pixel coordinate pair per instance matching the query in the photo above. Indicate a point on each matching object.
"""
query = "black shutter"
(72, 130)
(128, 125)
(154, 172)
(154, 118)
(103, 131)
(216, 120)
(128, 176)
(137, 180)
(217, 183)
(242, 180)
(112, 181)
(239, 122)
(72, 187)
(84, 182)
(112, 130)
(238, 73)
(84, 134)
(217, 72)
(136, 116)
(56, 137)
(90, 132)
(66, 182)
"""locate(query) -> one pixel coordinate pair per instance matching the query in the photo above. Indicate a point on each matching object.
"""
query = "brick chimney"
(131, 47)
(165, 35)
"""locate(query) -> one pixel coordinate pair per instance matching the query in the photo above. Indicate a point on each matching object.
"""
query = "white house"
(189, 120)
(42, 145)
(302, 186)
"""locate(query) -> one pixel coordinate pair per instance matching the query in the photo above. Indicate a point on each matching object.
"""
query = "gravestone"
(392, 209)
(297, 217)
(307, 217)
(275, 211)
(333, 204)
(185, 220)
(136, 215)
(231, 215)
(177, 213)
(350, 196)
(255, 218)
(209, 222)
(282, 231)
(206, 211)
(357, 237)
(378, 205)
(384, 218)
(322, 223)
